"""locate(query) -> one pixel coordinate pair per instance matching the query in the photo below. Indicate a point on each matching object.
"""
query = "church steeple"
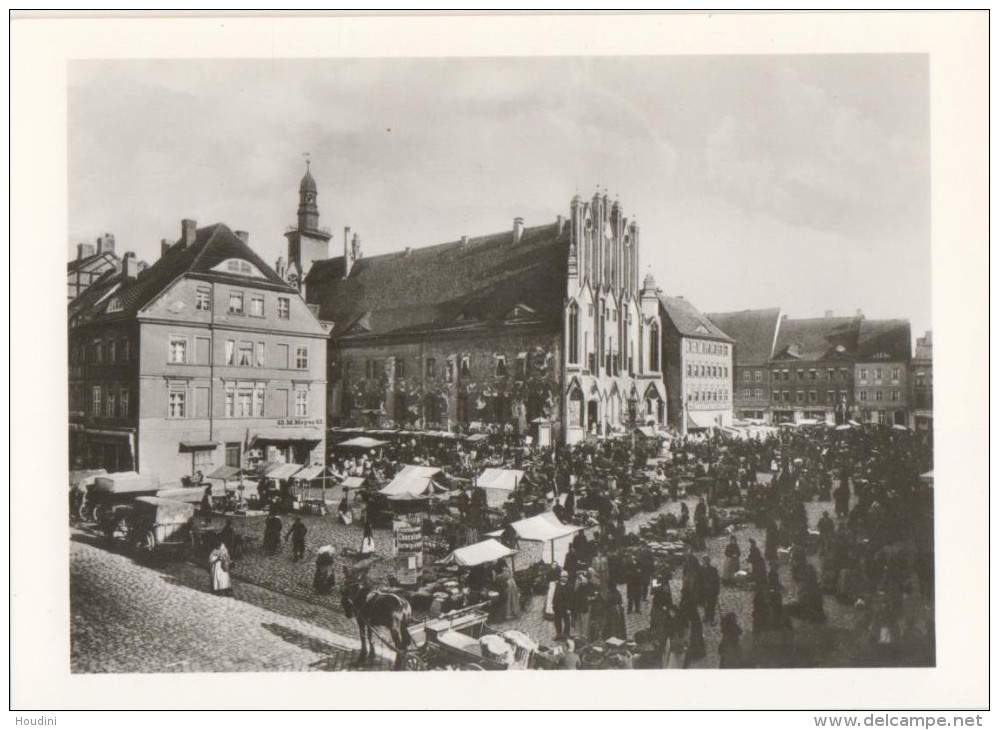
(307, 243)
(308, 211)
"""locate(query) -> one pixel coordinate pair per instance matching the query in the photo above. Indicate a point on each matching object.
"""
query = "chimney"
(355, 245)
(243, 236)
(130, 266)
(348, 253)
(518, 229)
(828, 313)
(188, 231)
(464, 243)
(84, 250)
(407, 252)
(559, 224)
(165, 244)
(279, 267)
(105, 243)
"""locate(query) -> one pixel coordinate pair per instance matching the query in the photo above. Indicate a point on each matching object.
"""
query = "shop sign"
(299, 422)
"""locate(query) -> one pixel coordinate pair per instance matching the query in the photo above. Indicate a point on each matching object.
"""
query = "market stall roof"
(284, 471)
(353, 483)
(853, 423)
(315, 471)
(362, 442)
(699, 420)
(477, 437)
(188, 446)
(540, 528)
(899, 427)
(495, 478)
(225, 472)
(417, 480)
(647, 431)
(843, 427)
(487, 551)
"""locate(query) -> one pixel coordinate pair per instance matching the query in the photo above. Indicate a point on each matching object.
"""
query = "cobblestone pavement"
(127, 618)
(269, 587)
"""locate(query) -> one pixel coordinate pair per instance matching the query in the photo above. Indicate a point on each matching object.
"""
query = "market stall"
(498, 484)
(544, 528)
(311, 479)
(481, 553)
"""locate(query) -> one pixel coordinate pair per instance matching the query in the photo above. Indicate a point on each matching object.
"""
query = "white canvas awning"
(505, 479)
(284, 471)
(540, 528)
(310, 473)
(415, 480)
(361, 442)
(700, 420)
(487, 551)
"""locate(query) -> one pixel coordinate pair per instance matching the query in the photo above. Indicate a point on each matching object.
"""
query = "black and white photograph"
(475, 363)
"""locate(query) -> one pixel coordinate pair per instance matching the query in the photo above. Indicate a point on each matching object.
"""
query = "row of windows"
(239, 402)
(238, 303)
(239, 354)
(784, 396)
(881, 395)
(695, 395)
(879, 374)
(110, 401)
(748, 393)
(707, 348)
(810, 374)
(707, 371)
(103, 350)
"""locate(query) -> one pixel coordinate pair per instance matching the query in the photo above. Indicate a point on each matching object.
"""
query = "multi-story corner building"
(91, 263)
(698, 367)
(533, 324)
(205, 358)
(755, 334)
(921, 382)
(812, 370)
(881, 371)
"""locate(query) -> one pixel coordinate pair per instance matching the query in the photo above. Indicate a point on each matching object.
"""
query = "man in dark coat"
(633, 585)
(297, 535)
(710, 589)
(841, 495)
(757, 565)
(563, 601)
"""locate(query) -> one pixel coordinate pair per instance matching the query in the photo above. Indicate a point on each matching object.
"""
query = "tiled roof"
(77, 264)
(818, 338)
(93, 293)
(212, 245)
(885, 336)
(753, 330)
(450, 285)
(689, 321)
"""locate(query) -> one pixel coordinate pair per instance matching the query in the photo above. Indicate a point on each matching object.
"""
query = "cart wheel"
(150, 543)
(97, 513)
(414, 663)
(81, 512)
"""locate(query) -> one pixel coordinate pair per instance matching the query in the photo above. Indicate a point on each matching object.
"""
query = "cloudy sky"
(793, 181)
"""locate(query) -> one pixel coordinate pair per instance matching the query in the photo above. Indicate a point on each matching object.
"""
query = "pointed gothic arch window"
(573, 326)
(654, 347)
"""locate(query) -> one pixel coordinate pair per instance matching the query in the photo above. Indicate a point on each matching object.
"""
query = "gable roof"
(880, 337)
(817, 338)
(85, 263)
(689, 321)
(754, 332)
(212, 245)
(448, 286)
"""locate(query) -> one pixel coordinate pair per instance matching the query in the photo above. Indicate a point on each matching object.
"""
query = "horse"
(374, 608)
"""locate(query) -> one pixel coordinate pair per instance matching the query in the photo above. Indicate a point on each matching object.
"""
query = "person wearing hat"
(562, 605)
(297, 534)
(325, 576)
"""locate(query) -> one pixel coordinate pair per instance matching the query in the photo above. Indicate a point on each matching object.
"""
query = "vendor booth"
(545, 528)
(417, 481)
(481, 553)
(361, 443)
(499, 484)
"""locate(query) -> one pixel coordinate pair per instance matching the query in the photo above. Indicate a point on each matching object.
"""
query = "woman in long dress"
(675, 650)
(219, 563)
(730, 565)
